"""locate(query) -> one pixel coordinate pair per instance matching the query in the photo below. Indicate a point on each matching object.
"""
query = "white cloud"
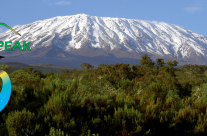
(61, 3)
(193, 9)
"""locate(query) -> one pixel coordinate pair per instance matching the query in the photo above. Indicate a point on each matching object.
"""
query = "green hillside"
(150, 99)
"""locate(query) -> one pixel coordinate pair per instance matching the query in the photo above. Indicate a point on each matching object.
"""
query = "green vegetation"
(87, 66)
(114, 100)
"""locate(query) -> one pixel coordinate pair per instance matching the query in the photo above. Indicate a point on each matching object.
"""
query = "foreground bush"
(21, 123)
(111, 100)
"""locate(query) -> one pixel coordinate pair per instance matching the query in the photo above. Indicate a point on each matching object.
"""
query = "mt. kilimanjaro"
(81, 38)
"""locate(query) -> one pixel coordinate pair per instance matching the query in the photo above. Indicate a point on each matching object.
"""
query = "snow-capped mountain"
(123, 38)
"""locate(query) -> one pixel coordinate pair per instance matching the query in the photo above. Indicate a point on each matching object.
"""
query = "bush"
(21, 123)
(87, 66)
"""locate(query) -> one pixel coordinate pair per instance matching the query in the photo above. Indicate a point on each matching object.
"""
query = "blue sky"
(190, 14)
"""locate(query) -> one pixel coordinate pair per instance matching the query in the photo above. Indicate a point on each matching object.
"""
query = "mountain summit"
(91, 36)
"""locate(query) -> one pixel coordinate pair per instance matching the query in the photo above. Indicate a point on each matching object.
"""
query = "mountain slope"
(91, 36)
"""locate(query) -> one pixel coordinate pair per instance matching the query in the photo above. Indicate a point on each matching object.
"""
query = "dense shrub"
(21, 123)
(146, 99)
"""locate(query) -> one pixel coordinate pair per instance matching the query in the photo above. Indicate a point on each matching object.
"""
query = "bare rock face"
(70, 40)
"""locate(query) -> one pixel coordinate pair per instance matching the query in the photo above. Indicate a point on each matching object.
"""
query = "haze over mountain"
(72, 40)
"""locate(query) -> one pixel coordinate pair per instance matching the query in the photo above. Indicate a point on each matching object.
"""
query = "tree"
(160, 62)
(29, 70)
(170, 63)
(38, 73)
(87, 66)
(102, 66)
(65, 71)
(146, 61)
(6, 68)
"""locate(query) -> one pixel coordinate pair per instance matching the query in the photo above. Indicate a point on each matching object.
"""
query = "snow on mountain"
(76, 31)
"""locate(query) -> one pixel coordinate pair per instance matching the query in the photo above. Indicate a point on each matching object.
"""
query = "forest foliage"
(153, 98)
